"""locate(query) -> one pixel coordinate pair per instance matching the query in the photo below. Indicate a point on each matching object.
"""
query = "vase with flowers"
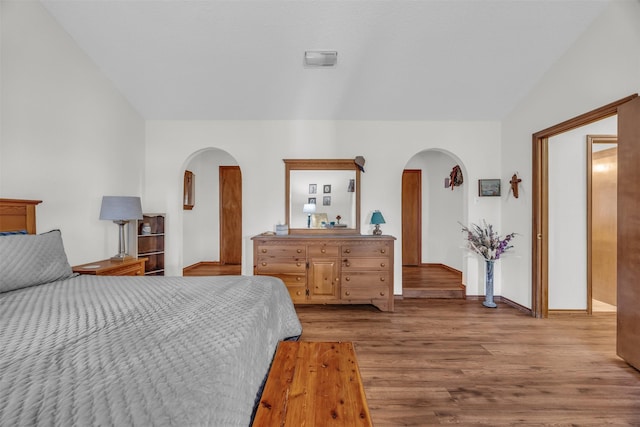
(487, 243)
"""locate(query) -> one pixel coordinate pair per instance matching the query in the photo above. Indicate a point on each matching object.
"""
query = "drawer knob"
(382, 279)
(348, 264)
(323, 250)
(298, 278)
(298, 293)
(382, 264)
(348, 279)
(382, 251)
(264, 264)
(298, 264)
(347, 251)
(264, 251)
(347, 293)
(299, 250)
(381, 294)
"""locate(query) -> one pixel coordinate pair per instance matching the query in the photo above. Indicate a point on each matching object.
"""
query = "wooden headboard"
(18, 215)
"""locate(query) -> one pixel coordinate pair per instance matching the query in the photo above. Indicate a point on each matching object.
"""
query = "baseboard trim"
(504, 300)
(567, 311)
(515, 305)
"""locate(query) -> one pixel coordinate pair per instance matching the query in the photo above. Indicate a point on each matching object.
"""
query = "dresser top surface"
(322, 237)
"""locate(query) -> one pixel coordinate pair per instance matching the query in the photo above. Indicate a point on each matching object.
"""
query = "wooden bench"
(313, 384)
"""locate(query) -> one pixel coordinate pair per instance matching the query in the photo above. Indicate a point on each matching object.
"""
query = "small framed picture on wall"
(326, 201)
(488, 187)
(311, 200)
(313, 188)
(327, 189)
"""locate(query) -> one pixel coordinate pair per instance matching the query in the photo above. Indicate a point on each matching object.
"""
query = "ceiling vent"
(320, 59)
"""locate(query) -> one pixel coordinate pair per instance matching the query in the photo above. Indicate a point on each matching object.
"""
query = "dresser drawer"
(282, 251)
(363, 279)
(324, 250)
(378, 291)
(349, 263)
(292, 279)
(275, 266)
(298, 293)
(371, 250)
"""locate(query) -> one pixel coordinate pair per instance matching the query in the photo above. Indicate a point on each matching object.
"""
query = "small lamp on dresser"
(377, 219)
(120, 210)
(309, 208)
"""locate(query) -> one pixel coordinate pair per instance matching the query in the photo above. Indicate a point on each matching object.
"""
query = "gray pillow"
(30, 259)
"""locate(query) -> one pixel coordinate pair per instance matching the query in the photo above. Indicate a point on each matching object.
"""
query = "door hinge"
(306, 292)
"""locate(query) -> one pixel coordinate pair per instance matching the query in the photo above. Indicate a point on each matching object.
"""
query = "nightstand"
(110, 267)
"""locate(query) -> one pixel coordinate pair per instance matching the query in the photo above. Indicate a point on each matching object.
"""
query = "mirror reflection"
(322, 199)
(322, 196)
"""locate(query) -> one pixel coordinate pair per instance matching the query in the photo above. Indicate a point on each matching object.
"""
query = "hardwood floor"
(432, 281)
(451, 361)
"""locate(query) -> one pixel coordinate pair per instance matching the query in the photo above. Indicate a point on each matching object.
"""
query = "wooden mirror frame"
(320, 164)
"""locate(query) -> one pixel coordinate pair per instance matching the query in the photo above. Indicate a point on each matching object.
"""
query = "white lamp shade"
(120, 208)
(309, 208)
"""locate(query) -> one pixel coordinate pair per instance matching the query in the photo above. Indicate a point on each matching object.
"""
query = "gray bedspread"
(143, 351)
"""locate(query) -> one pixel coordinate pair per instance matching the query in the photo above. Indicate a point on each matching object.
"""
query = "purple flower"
(486, 242)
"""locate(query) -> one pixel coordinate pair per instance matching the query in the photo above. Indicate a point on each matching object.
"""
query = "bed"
(95, 350)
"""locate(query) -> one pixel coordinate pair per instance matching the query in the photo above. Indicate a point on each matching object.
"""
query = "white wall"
(601, 67)
(443, 209)
(202, 223)
(568, 214)
(68, 137)
(260, 146)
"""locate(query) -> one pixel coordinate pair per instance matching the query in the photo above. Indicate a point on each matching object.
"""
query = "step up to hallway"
(432, 281)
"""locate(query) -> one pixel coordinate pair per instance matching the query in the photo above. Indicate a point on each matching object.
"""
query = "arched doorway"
(431, 218)
(212, 229)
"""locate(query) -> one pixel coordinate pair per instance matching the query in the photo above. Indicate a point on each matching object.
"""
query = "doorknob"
(539, 236)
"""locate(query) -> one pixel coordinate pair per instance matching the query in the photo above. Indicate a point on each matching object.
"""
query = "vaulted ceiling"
(397, 59)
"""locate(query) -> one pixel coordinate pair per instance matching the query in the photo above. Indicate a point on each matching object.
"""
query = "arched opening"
(212, 227)
(432, 212)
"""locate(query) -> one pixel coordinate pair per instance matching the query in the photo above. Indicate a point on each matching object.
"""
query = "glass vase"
(488, 298)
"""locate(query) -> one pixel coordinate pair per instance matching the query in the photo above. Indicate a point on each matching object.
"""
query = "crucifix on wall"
(514, 184)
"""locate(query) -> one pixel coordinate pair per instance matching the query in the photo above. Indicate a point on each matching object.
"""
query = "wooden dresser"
(320, 269)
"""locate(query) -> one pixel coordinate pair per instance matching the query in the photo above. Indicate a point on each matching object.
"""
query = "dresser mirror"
(322, 196)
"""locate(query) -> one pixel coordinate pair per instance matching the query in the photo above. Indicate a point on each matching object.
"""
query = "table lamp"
(120, 210)
(377, 219)
(309, 208)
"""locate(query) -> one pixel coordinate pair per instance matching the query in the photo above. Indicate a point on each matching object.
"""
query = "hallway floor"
(208, 268)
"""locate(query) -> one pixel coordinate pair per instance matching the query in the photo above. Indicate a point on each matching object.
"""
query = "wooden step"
(432, 281)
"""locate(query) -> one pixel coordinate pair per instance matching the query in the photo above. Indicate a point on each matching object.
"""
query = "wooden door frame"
(540, 211)
(591, 140)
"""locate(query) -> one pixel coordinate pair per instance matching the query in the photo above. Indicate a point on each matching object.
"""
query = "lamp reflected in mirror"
(309, 208)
